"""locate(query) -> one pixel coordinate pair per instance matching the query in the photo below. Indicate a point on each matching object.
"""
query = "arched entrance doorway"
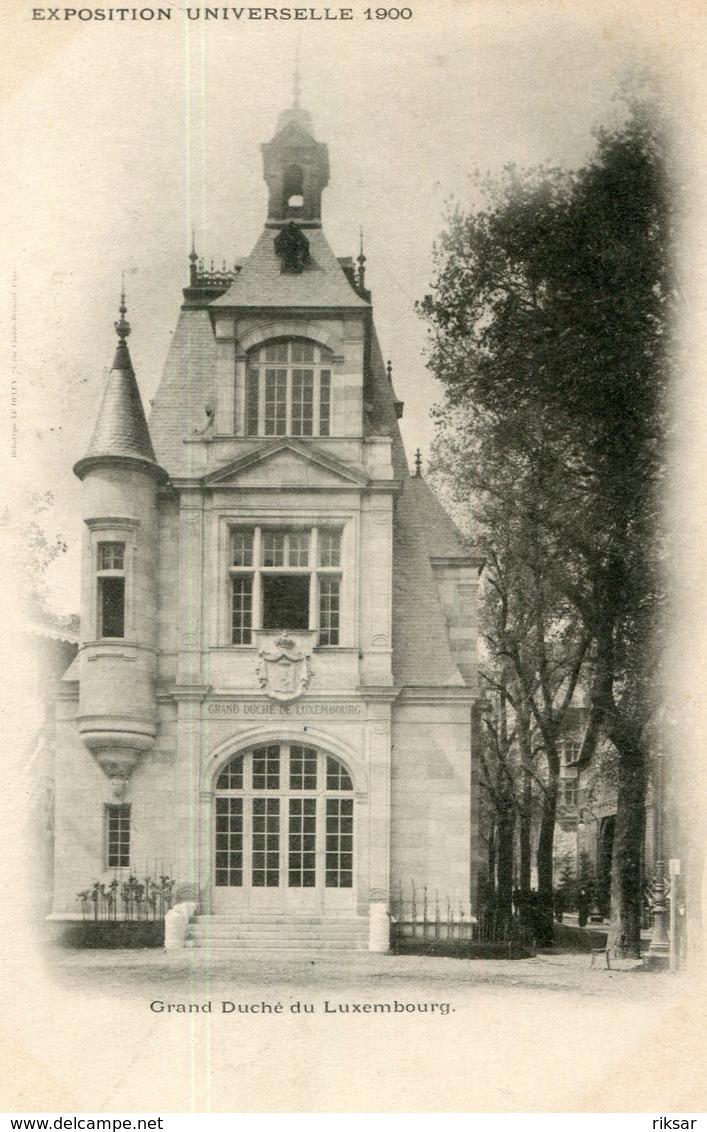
(284, 832)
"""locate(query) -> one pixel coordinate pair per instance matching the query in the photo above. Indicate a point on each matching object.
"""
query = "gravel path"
(354, 1033)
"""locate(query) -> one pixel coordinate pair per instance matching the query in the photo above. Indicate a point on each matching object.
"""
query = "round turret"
(117, 658)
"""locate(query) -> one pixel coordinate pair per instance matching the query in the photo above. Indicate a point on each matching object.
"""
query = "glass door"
(284, 833)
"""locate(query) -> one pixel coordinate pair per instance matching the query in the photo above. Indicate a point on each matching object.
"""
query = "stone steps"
(278, 933)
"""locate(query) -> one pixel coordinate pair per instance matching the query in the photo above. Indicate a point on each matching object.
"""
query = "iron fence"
(418, 914)
(128, 898)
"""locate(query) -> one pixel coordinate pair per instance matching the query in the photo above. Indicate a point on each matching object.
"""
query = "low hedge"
(105, 934)
(461, 948)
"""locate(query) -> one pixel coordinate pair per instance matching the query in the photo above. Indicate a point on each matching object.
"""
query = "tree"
(499, 774)
(541, 644)
(549, 314)
(30, 549)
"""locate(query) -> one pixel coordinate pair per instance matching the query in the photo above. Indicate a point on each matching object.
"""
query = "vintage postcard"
(259, 759)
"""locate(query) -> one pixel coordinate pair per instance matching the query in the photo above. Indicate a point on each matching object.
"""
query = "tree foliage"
(549, 317)
(30, 549)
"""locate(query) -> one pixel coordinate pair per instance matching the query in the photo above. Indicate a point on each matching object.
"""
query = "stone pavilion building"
(274, 693)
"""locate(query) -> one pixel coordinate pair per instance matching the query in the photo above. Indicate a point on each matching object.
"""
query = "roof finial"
(297, 81)
(193, 259)
(361, 259)
(418, 463)
(123, 326)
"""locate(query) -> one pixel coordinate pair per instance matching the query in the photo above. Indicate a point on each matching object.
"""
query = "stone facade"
(273, 697)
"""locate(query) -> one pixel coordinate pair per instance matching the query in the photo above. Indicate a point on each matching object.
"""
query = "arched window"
(288, 389)
(293, 190)
(284, 819)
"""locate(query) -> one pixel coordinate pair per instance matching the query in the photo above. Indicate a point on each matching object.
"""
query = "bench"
(598, 950)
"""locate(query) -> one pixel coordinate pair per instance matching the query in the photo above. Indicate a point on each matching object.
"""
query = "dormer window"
(288, 389)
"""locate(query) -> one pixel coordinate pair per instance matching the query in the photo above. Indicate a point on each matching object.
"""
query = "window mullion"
(288, 402)
(257, 586)
(313, 579)
(284, 794)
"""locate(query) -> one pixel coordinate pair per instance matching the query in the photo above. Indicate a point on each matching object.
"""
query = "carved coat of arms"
(284, 672)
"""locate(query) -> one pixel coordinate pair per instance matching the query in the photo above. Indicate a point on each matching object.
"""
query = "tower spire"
(122, 327)
(121, 427)
(361, 260)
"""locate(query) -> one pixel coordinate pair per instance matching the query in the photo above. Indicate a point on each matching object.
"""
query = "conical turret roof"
(121, 427)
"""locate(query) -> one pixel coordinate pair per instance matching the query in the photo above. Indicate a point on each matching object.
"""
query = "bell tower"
(296, 169)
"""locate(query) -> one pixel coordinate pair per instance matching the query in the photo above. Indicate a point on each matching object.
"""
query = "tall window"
(284, 818)
(111, 589)
(285, 578)
(118, 836)
(569, 750)
(570, 793)
(288, 389)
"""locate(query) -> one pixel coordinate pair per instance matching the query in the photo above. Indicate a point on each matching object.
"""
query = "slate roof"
(186, 388)
(444, 539)
(121, 427)
(421, 652)
(261, 283)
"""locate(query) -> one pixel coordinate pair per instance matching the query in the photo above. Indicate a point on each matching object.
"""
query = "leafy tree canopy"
(549, 315)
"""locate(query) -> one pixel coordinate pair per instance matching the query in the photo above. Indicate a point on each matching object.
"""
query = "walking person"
(583, 906)
(559, 904)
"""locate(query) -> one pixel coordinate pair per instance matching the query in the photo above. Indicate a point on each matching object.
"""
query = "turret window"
(111, 589)
(288, 389)
(285, 578)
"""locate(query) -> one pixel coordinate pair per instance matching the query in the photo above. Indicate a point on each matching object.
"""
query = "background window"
(570, 794)
(242, 609)
(229, 842)
(329, 547)
(266, 768)
(266, 843)
(242, 548)
(111, 605)
(329, 610)
(118, 836)
(339, 843)
(111, 555)
(273, 548)
(301, 856)
(303, 768)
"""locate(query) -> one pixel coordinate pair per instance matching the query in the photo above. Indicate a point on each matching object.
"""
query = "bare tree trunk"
(504, 892)
(491, 883)
(545, 930)
(626, 878)
(524, 824)
(526, 802)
